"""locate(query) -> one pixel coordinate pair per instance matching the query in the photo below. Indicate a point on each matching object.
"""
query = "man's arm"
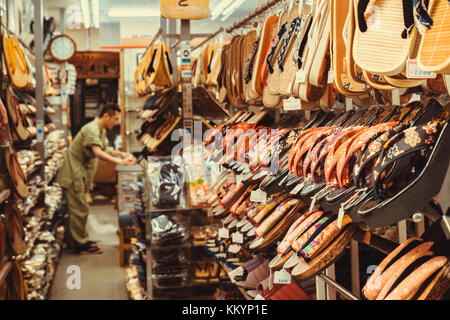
(99, 153)
(120, 154)
(123, 155)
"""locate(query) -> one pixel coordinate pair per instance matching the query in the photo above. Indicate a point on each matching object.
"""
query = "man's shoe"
(89, 248)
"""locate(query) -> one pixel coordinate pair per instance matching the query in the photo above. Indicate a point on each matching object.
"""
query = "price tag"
(300, 76)
(236, 273)
(40, 130)
(340, 216)
(298, 188)
(330, 76)
(292, 104)
(224, 233)
(258, 196)
(239, 178)
(413, 71)
(415, 97)
(237, 237)
(259, 297)
(234, 248)
(282, 277)
(210, 213)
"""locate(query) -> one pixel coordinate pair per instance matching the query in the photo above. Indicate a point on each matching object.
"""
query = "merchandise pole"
(123, 114)
(39, 56)
(402, 227)
(63, 76)
(186, 76)
(173, 54)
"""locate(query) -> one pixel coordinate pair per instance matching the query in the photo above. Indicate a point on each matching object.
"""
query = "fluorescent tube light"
(233, 7)
(96, 12)
(86, 14)
(133, 12)
(218, 9)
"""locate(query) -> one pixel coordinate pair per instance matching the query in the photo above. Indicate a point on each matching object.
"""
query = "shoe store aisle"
(101, 276)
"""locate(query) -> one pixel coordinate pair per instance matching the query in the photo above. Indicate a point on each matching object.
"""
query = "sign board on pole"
(185, 9)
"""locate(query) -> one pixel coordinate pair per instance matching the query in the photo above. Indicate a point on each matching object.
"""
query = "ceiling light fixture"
(218, 9)
(233, 7)
(96, 12)
(227, 16)
(86, 14)
(133, 12)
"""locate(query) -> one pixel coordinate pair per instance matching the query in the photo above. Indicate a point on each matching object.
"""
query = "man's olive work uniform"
(77, 174)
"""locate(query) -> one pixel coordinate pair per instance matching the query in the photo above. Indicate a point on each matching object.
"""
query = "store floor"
(101, 276)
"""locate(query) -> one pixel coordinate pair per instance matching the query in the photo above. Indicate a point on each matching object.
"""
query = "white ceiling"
(146, 26)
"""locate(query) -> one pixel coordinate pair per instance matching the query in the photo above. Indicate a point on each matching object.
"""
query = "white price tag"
(239, 178)
(282, 277)
(210, 213)
(235, 273)
(413, 71)
(415, 97)
(340, 216)
(40, 130)
(292, 104)
(237, 237)
(259, 297)
(298, 188)
(234, 248)
(258, 196)
(330, 76)
(300, 76)
(224, 233)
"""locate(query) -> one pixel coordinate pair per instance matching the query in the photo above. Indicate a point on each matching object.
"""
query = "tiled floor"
(101, 276)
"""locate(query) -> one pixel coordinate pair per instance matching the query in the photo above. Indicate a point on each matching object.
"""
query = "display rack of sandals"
(300, 189)
(31, 208)
(181, 212)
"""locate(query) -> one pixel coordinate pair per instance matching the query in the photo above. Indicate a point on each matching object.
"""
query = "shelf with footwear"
(134, 287)
(206, 272)
(44, 234)
(242, 290)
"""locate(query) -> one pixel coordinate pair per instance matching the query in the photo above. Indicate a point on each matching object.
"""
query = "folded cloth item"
(170, 185)
(256, 276)
(249, 266)
(161, 224)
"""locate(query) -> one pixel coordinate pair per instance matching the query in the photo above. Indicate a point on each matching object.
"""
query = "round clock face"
(62, 48)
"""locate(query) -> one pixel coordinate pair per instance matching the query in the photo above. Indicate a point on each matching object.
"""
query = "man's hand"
(123, 155)
(115, 157)
(127, 162)
(128, 156)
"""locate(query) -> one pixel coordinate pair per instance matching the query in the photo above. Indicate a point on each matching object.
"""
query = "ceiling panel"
(144, 26)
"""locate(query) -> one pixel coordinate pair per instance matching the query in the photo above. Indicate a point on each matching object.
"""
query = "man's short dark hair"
(110, 109)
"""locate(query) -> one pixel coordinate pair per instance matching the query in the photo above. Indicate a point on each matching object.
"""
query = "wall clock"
(62, 47)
